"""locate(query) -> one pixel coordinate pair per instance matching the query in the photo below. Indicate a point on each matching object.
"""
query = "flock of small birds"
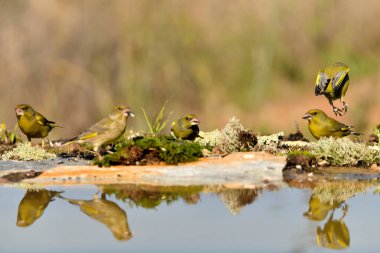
(332, 82)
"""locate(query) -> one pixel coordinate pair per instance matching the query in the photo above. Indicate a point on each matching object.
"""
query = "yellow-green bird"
(186, 128)
(106, 130)
(33, 205)
(320, 125)
(106, 212)
(334, 234)
(32, 123)
(333, 82)
(318, 210)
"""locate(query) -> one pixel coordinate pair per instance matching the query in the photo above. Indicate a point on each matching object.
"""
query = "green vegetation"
(152, 150)
(159, 124)
(26, 152)
(304, 158)
(376, 133)
(8, 137)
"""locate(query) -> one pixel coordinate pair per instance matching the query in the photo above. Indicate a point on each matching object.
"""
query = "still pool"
(130, 218)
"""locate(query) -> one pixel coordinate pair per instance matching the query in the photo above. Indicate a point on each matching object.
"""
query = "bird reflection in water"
(106, 212)
(334, 234)
(33, 205)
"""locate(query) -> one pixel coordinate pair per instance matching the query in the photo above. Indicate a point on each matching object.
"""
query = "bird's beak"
(19, 111)
(129, 113)
(194, 121)
(307, 116)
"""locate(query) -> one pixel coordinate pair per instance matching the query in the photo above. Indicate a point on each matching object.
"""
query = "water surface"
(195, 219)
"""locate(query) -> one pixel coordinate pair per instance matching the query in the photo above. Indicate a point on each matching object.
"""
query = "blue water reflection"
(275, 221)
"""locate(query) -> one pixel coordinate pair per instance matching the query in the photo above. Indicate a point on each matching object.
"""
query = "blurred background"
(73, 60)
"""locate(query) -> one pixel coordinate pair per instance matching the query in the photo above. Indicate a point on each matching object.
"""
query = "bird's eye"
(313, 113)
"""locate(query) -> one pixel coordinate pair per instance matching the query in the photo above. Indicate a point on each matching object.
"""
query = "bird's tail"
(71, 201)
(353, 132)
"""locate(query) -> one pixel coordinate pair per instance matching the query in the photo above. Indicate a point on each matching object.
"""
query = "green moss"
(152, 150)
(296, 153)
(302, 158)
(26, 152)
(344, 152)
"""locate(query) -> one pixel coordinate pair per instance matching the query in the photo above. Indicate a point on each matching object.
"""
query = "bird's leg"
(345, 210)
(344, 106)
(336, 110)
(108, 150)
(50, 143)
(99, 155)
(96, 196)
(43, 143)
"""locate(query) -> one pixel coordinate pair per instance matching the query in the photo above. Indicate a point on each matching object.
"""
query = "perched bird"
(320, 125)
(106, 212)
(32, 206)
(186, 128)
(106, 130)
(32, 123)
(333, 82)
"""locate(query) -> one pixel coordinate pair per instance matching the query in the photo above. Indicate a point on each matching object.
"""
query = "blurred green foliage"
(74, 60)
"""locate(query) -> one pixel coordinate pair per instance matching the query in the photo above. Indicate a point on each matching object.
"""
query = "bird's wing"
(340, 127)
(338, 80)
(42, 120)
(100, 127)
(321, 83)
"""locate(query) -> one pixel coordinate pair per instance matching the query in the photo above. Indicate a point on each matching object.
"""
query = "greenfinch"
(320, 125)
(334, 234)
(32, 123)
(106, 212)
(333, 82)
(318, 210)
(186, 128)
(106, 130)
(32, 206)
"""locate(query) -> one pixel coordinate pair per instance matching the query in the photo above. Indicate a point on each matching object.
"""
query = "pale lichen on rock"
(234, 137)
(26, 152)
(344, 152)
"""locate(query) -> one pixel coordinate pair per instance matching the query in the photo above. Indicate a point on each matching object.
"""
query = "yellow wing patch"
(88, 136)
